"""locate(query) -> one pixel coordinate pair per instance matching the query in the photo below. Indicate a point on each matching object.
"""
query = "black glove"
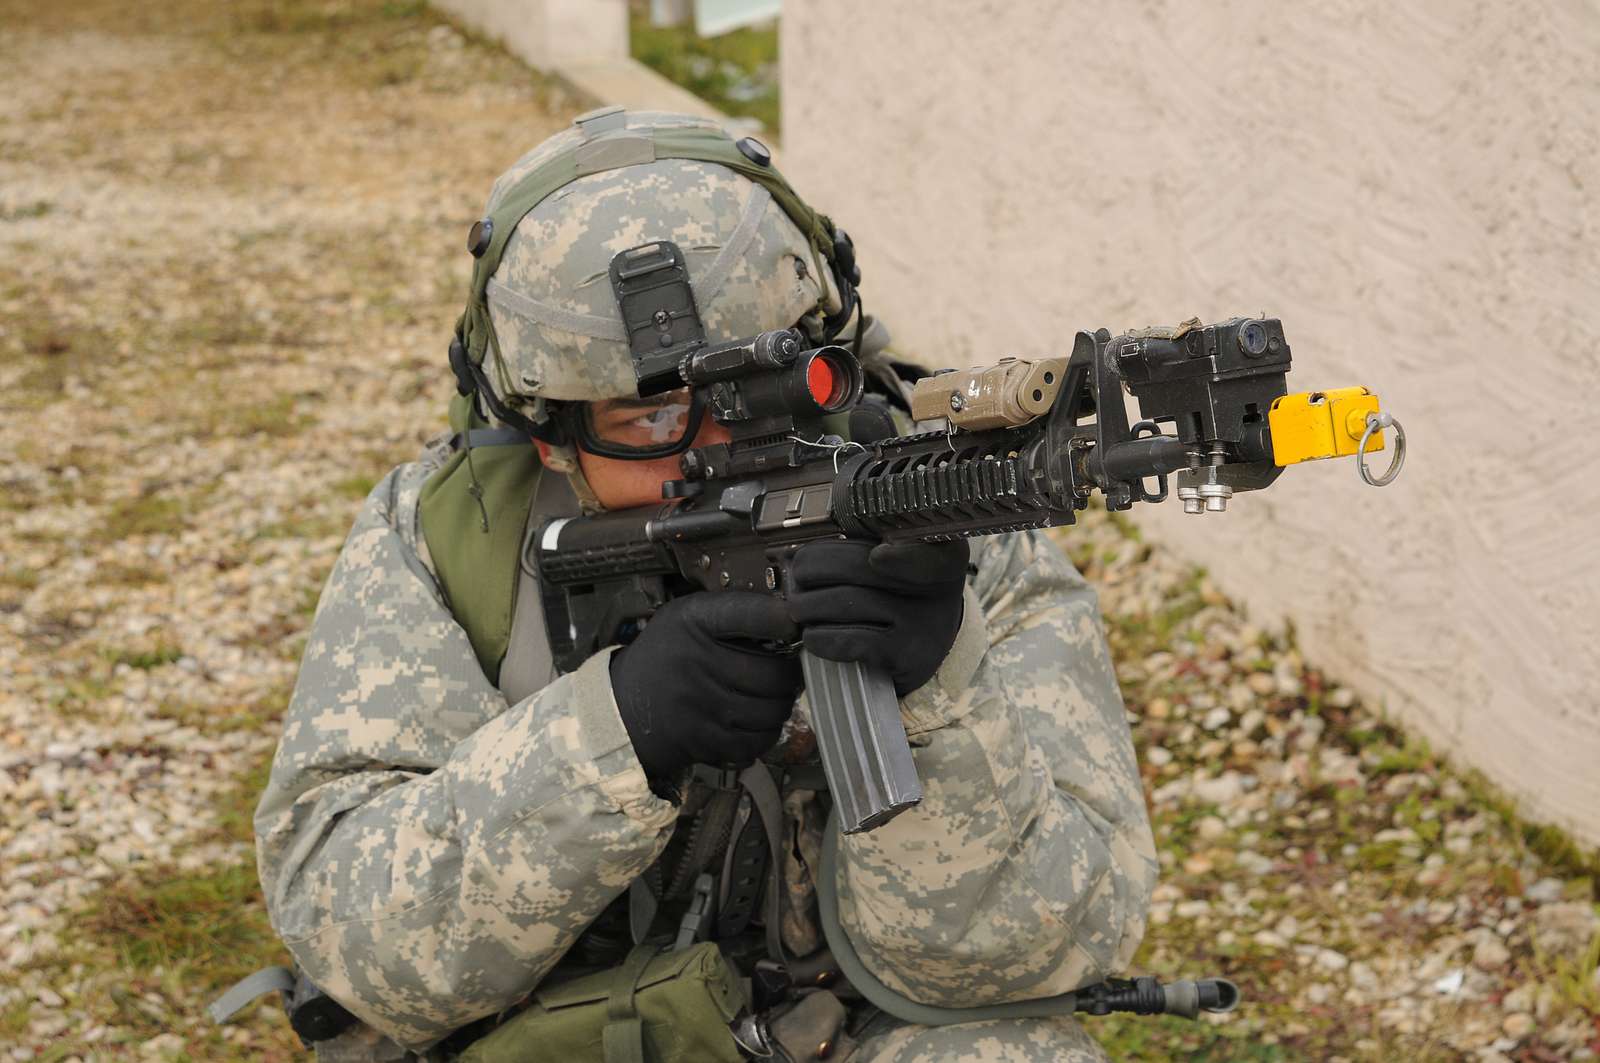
(894, 606)
(696, 688)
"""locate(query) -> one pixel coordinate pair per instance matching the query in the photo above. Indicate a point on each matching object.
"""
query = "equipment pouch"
(668, 1007)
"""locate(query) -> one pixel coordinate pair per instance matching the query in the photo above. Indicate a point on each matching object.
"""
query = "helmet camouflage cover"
(557, 328)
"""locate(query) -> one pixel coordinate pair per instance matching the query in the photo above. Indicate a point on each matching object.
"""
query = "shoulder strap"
(623, 1036)
(528, 663)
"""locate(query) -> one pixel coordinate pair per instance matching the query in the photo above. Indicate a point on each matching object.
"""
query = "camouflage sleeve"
(1026, 871)
(427, 852)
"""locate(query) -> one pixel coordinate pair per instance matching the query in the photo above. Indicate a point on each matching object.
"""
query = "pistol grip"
(856, 718)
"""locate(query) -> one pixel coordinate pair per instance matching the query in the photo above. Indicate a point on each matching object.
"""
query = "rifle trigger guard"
(1377, 422)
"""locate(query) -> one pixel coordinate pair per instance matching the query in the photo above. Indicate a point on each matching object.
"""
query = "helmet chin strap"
(563, 458)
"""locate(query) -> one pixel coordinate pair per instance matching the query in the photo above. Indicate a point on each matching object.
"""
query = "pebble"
(1254, 863)
(1544, 891)
(1566, 929)
(1518, 1025)
(1330, 960)
(1490, 954)
(1521, 998)
(1216, 719)
(1222, 790)
(161, 1046)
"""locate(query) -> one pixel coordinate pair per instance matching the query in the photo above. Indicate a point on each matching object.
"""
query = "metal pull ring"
(1377, 422)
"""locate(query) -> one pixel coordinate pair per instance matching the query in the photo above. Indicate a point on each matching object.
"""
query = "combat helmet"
(542, 324)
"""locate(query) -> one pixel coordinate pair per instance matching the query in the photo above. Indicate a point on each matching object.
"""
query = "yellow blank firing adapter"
(1334, 424)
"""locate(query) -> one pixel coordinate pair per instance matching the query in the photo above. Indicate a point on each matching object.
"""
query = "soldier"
(448, 827)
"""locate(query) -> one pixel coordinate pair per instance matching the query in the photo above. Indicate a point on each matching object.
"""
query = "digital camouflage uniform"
(429, 852)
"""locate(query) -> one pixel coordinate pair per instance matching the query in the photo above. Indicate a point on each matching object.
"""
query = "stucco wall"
(1413, 188)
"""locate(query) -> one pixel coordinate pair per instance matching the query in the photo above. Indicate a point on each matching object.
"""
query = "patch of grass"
(1564, 855)
(22, 579)
(274, 417)
(320, 16)
(1123, 523)
(81, 697)
(1134, 636)
(306, 526)
(117, 574)
(14, 1021)
(169, 941)
(395, 67)
(37, 209)
(1573, 977)
(1154, 1037)
(153, 513)
(167, 918)
(237, 809)
(1414, 754)
(356, 486)
(226, 719)
(56, 352)
(1379, 856)
(147, 658)
(737, 72)
(220, 329)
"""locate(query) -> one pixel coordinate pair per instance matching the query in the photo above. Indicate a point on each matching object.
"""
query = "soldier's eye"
(662, 424)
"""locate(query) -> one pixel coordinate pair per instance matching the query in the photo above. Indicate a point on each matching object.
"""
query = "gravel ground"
(229, 254)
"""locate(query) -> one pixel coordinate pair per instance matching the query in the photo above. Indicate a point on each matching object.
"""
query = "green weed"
(37, 209)
(153, 513)
(735, 72)
(356, 486)
(145, 658)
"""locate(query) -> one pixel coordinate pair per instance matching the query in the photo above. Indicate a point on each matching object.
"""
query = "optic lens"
(820, 378)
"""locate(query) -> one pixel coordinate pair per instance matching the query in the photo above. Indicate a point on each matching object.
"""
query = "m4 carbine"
(1023, 444)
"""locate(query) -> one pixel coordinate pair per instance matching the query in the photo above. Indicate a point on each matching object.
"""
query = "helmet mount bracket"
(651, 284)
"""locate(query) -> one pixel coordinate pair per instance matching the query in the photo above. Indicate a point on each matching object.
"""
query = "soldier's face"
(620, 484)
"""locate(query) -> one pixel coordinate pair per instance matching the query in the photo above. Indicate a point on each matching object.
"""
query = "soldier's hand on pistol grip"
(894, 606)
(696, 686)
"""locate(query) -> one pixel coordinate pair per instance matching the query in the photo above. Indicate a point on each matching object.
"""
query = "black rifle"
(1024, 444)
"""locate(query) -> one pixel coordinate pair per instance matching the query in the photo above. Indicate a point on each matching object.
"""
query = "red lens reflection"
(821, 379)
